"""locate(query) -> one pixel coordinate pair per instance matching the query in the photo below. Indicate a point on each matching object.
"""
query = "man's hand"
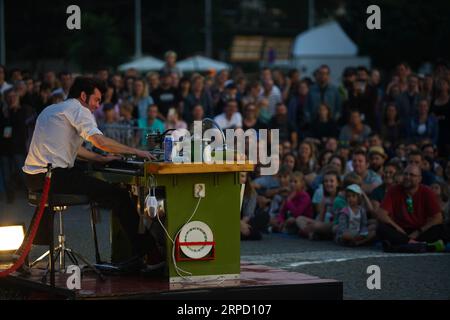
(145, 154)
(414, 235)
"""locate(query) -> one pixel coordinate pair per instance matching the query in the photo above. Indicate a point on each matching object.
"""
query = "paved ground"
(425, 276)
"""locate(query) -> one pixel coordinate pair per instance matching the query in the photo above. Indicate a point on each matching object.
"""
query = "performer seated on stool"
(58, 136)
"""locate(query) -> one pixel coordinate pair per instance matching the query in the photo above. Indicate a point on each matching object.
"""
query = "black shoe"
(134, 264)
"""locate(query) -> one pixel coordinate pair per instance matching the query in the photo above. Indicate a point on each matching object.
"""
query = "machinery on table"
(199, 206)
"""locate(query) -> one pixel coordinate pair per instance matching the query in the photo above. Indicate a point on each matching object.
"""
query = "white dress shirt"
(58, 135)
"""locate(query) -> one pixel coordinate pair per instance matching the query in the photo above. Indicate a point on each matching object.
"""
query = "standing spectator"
(13, 146)
(102, 74)
(66, 80)
(281, 121)
(297, 104)
(415, 157)
(441, 109)
(410, 213)
(152, 123)
(423, 126)
(140, 99)
(407, 101)
(218, 89)
(173, 120)
(363, 98)
(109, 99)
(346, 87)
(3, 84)
(271, 92)
(253, 94)
(230, 118)
(263, 109)
(251, 225)
(153, 81)
(355, 130)
(166, 96)
(51, 80)
(198, 95)
(391, 126)
(324, 126)
(323, 92)
(171, 64)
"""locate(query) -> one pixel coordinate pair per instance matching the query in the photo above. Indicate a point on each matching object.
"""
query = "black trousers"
(106, 195)
(435, 233)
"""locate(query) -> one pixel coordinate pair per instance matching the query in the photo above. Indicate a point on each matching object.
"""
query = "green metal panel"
(219, 210)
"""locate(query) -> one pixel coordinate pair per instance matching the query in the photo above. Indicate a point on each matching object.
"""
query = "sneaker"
(438, 246)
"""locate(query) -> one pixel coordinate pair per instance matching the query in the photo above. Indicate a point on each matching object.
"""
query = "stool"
(59, 203)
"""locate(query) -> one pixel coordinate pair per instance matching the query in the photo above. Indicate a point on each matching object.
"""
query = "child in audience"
(352, 228)
(323, 199)
(297, 204)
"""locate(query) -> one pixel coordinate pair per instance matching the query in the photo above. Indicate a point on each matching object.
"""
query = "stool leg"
(61, 242)
(51, 250)
(94, 216)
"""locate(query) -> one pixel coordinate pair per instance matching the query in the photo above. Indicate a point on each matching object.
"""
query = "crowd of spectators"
(360, 160)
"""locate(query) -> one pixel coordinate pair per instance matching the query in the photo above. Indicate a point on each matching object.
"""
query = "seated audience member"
(322, 226)
(410, 214)
(391, 170)
(306, 160)
(297, 205)
(355, 130)
(441, 189)
(415, 157)
(424, 125)
(352, 228)
(251, 223)
(230, 118)
(290, 161)
(370, 179)
(279, 199)
(377, 157)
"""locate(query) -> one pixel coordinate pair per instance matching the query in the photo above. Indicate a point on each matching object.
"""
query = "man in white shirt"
(230, 118)
(58, 136)
(3, 84)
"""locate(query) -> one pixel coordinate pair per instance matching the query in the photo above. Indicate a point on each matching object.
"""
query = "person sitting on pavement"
(297, 205)
(353, 228)
(410, 213)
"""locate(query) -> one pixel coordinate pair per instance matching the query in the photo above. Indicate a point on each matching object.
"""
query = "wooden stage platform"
(256, 282)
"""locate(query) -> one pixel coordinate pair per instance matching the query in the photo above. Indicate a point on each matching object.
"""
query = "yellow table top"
(180, 168)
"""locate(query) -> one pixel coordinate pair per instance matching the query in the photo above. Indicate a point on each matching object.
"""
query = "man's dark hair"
(88, 85)
(416, 153)
(362, 68)
(361, 152)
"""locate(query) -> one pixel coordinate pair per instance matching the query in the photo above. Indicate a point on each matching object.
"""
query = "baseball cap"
(354, 188)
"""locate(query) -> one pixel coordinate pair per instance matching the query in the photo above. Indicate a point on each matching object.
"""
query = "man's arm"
(110, 145)
(383, 217)
(85, 154)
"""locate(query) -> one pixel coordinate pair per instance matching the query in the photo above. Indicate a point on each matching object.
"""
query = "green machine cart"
(199, 206)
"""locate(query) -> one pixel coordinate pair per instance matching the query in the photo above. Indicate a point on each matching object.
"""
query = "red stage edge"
(256, 282)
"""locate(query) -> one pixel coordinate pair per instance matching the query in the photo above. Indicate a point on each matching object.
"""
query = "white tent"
(326, 44)
(325, 40)
(199, 63)
(143, 64)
